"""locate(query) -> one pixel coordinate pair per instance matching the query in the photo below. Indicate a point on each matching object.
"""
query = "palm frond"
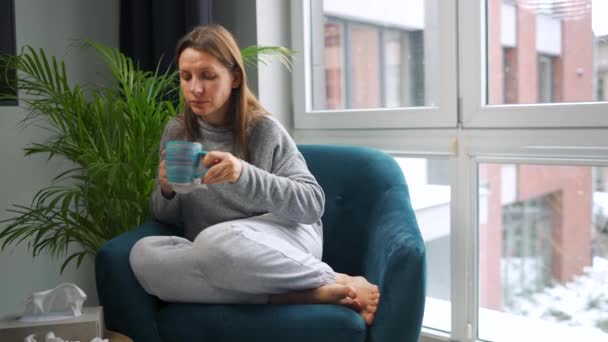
(252, 55)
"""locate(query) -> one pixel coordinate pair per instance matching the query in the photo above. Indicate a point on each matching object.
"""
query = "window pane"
(543, 258)
(429, 188)
(373, 55)
(546, 51)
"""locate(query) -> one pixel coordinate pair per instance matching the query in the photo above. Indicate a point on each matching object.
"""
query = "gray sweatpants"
(241, 261)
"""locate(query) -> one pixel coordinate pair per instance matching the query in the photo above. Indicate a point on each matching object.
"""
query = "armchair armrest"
(127, 308)
(396, 259)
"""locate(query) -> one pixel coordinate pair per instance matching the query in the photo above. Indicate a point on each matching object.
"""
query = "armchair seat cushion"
(293, 323)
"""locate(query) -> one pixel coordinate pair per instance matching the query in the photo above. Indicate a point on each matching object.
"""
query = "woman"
(254, 232)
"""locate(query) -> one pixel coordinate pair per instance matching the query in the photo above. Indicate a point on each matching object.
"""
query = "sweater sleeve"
(282, 185)
(164, 209)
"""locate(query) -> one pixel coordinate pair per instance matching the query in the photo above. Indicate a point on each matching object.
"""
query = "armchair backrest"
(354, 180)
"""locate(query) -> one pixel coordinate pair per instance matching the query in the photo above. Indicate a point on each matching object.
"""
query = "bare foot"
(367, 298)
(327, 294)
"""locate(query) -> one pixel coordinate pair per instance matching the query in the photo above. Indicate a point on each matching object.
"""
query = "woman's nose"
(197, 87)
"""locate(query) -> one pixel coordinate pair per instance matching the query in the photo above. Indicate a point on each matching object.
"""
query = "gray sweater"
(276, 180)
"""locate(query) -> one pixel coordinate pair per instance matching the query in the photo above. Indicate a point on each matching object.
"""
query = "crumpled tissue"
(63, 302)
(50, 337)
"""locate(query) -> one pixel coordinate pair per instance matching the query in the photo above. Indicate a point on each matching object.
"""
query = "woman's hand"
(165, 188)
(223, 167)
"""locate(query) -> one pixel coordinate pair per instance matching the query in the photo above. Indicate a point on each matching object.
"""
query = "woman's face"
(206, 84)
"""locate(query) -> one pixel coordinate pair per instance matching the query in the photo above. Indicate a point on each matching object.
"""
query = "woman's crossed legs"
(255, 260)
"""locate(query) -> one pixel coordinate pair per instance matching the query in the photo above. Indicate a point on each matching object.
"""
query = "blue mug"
(183, 162)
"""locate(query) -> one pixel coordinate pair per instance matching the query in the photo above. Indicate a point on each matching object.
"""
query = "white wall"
(262, 23)
(274, 80)
(52, 25)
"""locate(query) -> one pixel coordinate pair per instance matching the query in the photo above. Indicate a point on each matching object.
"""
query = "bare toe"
(368, 296)
(368, 318)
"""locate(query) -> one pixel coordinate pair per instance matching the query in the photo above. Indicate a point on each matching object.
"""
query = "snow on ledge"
(498, 326)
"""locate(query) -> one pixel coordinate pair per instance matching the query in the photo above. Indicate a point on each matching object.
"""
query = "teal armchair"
(369, 229)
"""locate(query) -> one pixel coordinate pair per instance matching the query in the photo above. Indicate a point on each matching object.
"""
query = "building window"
(371, 66)
(545, 79)
(526, 252)
(509, 90)
(334, 64)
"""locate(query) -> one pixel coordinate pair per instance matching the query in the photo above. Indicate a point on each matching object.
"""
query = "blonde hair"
(244, 108)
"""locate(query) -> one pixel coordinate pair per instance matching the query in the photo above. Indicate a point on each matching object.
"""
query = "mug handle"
(200, 168)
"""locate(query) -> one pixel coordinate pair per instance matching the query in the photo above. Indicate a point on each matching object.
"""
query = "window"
(552, 52)
(517, 134)
(335, 64)
(7, 47)
(403, 69)
(543, 257)
(509, 77)
(545, 79)
(601, 59)
(384, 67)
(383, 58)
(389, 76)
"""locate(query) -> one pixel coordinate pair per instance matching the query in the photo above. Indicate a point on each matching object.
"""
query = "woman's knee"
(215, 242)
(139, 259)
(153, 250)
(153, 259)
(219, 250)
(141, 252)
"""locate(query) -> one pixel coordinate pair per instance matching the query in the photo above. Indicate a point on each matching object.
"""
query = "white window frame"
(442, 115)
(476, 114)
(552, 135)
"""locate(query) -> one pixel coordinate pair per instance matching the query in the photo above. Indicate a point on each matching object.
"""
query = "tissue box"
(82, 328)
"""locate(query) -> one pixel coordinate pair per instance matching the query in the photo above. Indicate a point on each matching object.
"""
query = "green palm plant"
(109, 134)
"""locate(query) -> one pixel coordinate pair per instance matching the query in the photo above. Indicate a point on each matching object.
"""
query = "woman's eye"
(209, 76)
(185, 77)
